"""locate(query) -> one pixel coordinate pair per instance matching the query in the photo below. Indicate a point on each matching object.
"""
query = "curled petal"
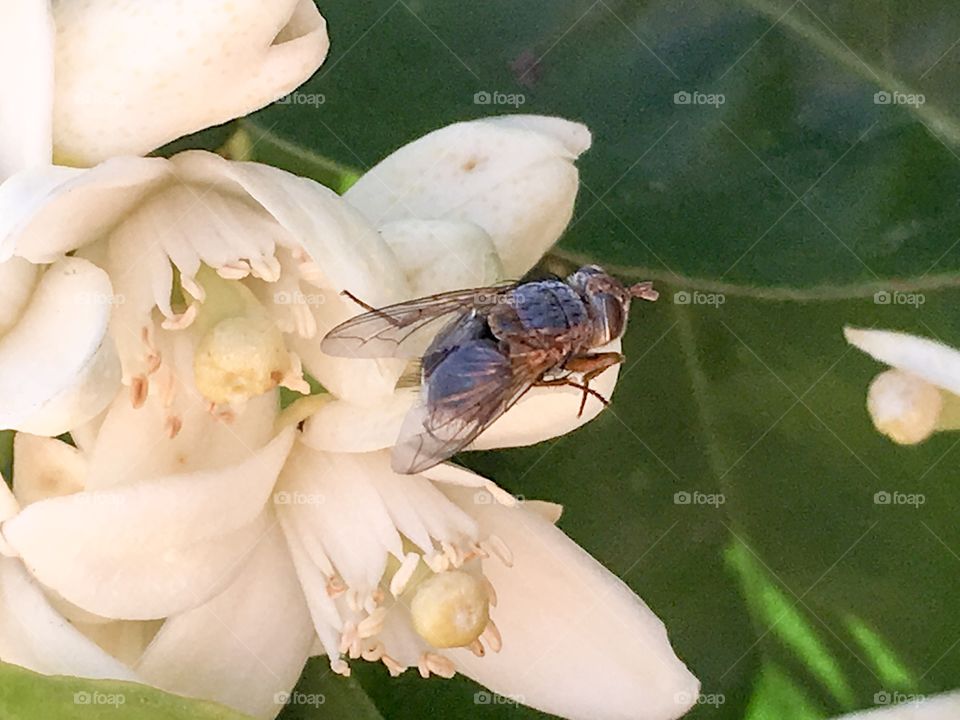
(935, 362)
(244, 648)
(17, 281)
(583, 645)
(150, 549)
(170, 69)
(35, 636)
(26, 85)
(58, 366)
(46, 212)
(513, 177)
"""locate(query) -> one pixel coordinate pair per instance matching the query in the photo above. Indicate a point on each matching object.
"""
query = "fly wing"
(472, 387)
(405, 330)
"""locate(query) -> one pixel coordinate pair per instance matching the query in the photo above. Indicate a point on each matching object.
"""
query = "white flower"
(252, 532)
(86, 80)
(95, 79)
(919, 395)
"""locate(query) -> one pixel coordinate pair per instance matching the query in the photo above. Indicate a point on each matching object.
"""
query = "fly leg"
(555, 382)
(591, 365)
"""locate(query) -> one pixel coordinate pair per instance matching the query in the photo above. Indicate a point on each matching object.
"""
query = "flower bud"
(904, 407)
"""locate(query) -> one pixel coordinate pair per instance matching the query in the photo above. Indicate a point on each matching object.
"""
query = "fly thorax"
(608, 317)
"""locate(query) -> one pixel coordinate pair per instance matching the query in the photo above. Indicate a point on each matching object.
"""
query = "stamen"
(393, 667)
(340, 667)
(398, 583)
(439, 665)
(372, 624)
(491, 591)
(476, 647)
(336, 587)
(499, 548)
(182, 321)
(173, 425)
(491, 635)
(234, 271)
(139, 388)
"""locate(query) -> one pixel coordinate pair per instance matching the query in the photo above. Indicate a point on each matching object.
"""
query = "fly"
(481, 349)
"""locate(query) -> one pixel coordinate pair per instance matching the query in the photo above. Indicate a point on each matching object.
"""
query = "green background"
(796, 200)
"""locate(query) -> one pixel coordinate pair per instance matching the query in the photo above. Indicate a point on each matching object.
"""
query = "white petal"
(548, 412)
(328, 500)
(938, 707)
(149, 549)
(58, 366)
(170, 69)
(441, 255)
(935, 362)
(47, 212)
(350, 255)
(35, 636)
(45, 468)
(17, 280)
(26, 85)
(515, 179)
(133, 445)
(341, 426)
(577, 642)
(244, 647)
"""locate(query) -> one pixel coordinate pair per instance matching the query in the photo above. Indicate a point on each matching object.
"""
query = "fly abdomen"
(542, 309)
(465, 374)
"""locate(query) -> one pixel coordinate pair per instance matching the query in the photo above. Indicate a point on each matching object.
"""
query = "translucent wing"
(472, 387)
(406, 329)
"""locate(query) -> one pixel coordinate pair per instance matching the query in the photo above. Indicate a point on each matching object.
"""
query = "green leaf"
(798, 179)
(321, 693)
(26, 695)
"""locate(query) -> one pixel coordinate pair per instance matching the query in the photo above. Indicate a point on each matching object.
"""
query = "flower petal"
(246, 647)
(582, 645)
(172, 69)
(441, 255)
(46, 212)
(514, 178)
(347, 251)
(17, 281)
(153, 548)
(35, 636)
(44, 468)
(58, 367)
(26, 79)
(935, 362)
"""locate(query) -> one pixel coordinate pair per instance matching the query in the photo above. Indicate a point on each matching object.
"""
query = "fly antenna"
(644, 291)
